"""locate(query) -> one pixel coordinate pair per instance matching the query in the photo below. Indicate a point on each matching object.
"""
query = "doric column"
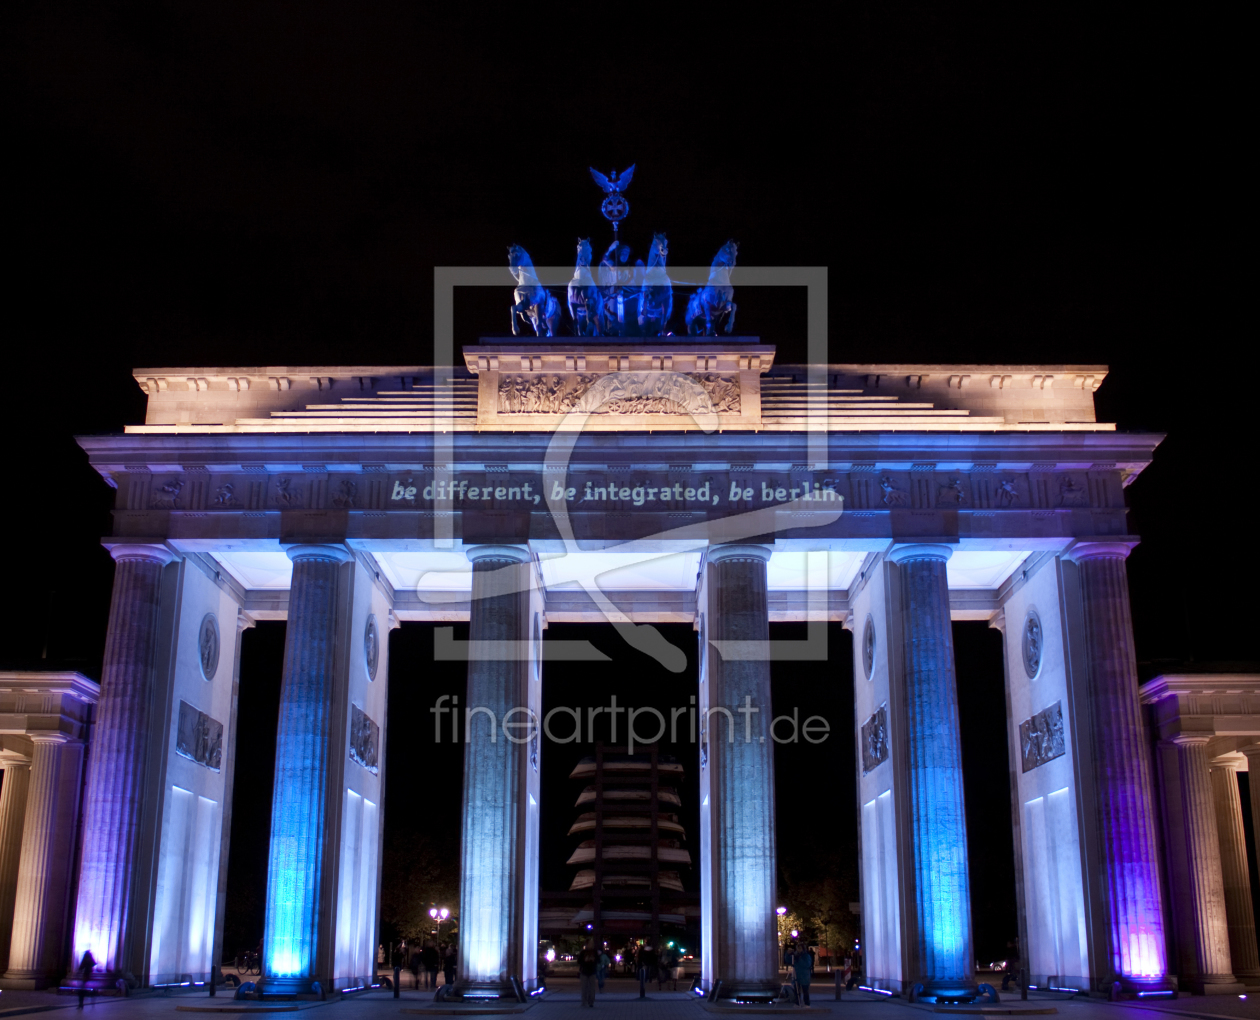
(39, 911)
(17, 777)
(940, 939)
(1234, 872)
(1204, 887)
(1122, 765)
(116, 770)
(741, 764)
(295, 879)
(490, 911)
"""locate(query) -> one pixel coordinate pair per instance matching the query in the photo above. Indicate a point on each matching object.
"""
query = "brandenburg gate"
(670, 479)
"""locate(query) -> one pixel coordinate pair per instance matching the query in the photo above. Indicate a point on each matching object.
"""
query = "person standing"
(601, 968)
(588, 963)
(413, 965)
(429, 959)
(648, 963)
(664, 966)
(86, 966)
(448, 963)
(803, 968)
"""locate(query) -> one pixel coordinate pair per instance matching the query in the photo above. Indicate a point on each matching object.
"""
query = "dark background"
(273, 184)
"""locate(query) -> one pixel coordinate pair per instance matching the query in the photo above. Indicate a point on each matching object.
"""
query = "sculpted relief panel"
(620, 393)
(1041, 737)
(199, 738)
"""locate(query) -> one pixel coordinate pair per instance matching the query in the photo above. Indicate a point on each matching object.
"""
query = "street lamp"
(433, 912)
(780, 911)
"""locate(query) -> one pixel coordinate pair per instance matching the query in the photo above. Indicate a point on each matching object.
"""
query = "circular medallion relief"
(208, 645)
(371, 647)
(1032, 643)
(868, 647)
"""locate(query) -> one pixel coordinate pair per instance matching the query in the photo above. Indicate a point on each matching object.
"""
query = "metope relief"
(620, 393)
(364, 739)
(200, 738)
(208, 645)
(371, 647)
(875, 740)
(1041, 737)
(1032, 644)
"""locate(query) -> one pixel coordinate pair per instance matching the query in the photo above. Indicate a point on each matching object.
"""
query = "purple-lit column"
(39, 910)
(939, 936)
(741, 765)
(1243, 955)
(1205, 890)
(1129, 882)
(490, 907)
(295, 880)
(112, 802)
(17, 777)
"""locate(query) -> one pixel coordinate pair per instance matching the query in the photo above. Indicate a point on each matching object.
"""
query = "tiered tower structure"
(631, 845)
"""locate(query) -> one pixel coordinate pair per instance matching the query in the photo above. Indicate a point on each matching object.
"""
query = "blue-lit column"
(741, 761)
(1129, 882)
(938, 932)
(104, 920)
(295, 879)
(490, 907)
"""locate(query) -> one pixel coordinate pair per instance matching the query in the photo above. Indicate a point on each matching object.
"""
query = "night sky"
(226, 184)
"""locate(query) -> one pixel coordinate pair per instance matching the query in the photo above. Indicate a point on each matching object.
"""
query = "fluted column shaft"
(116, 769)
(937, 818)
(39, 911)
(1206, 890)
(1243, 953)
(741, 761)
(17, 777)
(490, 918)
(299, 797)
(1126, 825)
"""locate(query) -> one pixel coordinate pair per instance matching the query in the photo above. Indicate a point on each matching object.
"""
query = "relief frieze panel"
(620, 393)
(875, 740)
(1041, 737)
(365, 738)
(199, 737)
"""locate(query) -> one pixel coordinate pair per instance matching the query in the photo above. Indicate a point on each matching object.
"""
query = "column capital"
(512, 553)
(336, 553)
(151, 551)
(13, 760)
(50, 737)
(1233, 761)
(1189, 739)
(916, 551)
(739, 551)
(1099, 550)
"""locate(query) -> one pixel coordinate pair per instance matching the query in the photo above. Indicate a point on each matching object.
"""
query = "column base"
(745, 991)
(1135, 988)
(26, 982)
(472, 993)
(1218, 985)
(952, 993)
(288, 987)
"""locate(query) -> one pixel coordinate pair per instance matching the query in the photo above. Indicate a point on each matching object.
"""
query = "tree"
(421, 870)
